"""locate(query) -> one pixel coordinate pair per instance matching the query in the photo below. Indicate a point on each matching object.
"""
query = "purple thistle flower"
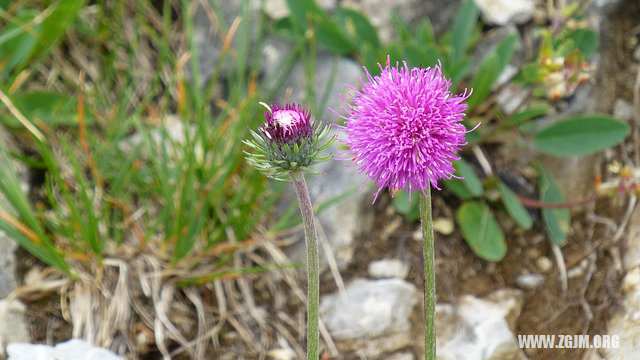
(404, 127)
(288, 125)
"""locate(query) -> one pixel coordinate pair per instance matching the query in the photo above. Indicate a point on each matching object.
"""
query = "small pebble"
(544, 264)
(529, 281)
(443, 225)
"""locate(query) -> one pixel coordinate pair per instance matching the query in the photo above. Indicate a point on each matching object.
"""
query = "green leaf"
(556, 221)
(514, 208)
(490, 69)
(463, 24)
(56, 24)
(49, 107)
(409, 208)
(401, 27)
(586, 40)
(581, 135)
(483, 81)
(527, 114)
(357, 26)
(16, 43)
(424, 34)
(481, 231)
(467, 188)
(532, 73)
(331, 36)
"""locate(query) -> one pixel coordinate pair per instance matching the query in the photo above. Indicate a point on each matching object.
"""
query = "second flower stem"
(311, 239)
(429, 275)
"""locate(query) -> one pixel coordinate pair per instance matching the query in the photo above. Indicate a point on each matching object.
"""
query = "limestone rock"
(479, 328)
(74, 349)
(503, 12)
(371, 317)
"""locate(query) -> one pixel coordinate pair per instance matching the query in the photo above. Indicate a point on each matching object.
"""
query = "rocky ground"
(371, 301)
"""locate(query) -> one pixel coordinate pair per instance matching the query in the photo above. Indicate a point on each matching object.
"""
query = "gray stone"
(623, 109)
(369, 308)
(626, 323)
(74, 349)
(7, 265)
(371, 317)
(7, 245)
(12, 324)
(479, 329)
(388, 268)
(636, 54)
(529, 281)
(503, 12)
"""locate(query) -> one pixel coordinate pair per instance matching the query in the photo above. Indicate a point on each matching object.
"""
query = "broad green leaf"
(331, 36)
(514, 208)
(62, 15)
(357, 26)
(300, 10)
(556, 221)
(409, 208)
(581, 135)
(306, 14)
(463, 24)
(470, 186)
(481, 231)
(586, 40)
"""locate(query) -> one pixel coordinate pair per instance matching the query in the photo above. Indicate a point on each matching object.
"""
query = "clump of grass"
(147, 202)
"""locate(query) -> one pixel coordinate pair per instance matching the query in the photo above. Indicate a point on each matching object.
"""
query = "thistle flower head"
(290, 124)
(288, 141)
(404, 127)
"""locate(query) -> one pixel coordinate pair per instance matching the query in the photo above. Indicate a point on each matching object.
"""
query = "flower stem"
(311, 238)
(429, 276)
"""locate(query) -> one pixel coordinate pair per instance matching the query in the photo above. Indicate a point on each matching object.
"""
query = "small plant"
(286, 146)
(403, 130)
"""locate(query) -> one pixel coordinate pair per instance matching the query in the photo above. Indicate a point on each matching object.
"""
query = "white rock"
(626, 324)
(371, 317)
(13, 327)
(503, 12)
(529, 281)
(74, 349)
(369, 308)
(478, 329)
(388, 268)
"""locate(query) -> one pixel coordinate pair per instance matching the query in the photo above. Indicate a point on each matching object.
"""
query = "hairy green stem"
(313, 286)
(429, 276)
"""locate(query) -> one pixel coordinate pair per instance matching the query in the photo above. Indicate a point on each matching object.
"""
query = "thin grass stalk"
(429, 275)
(311, 239)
